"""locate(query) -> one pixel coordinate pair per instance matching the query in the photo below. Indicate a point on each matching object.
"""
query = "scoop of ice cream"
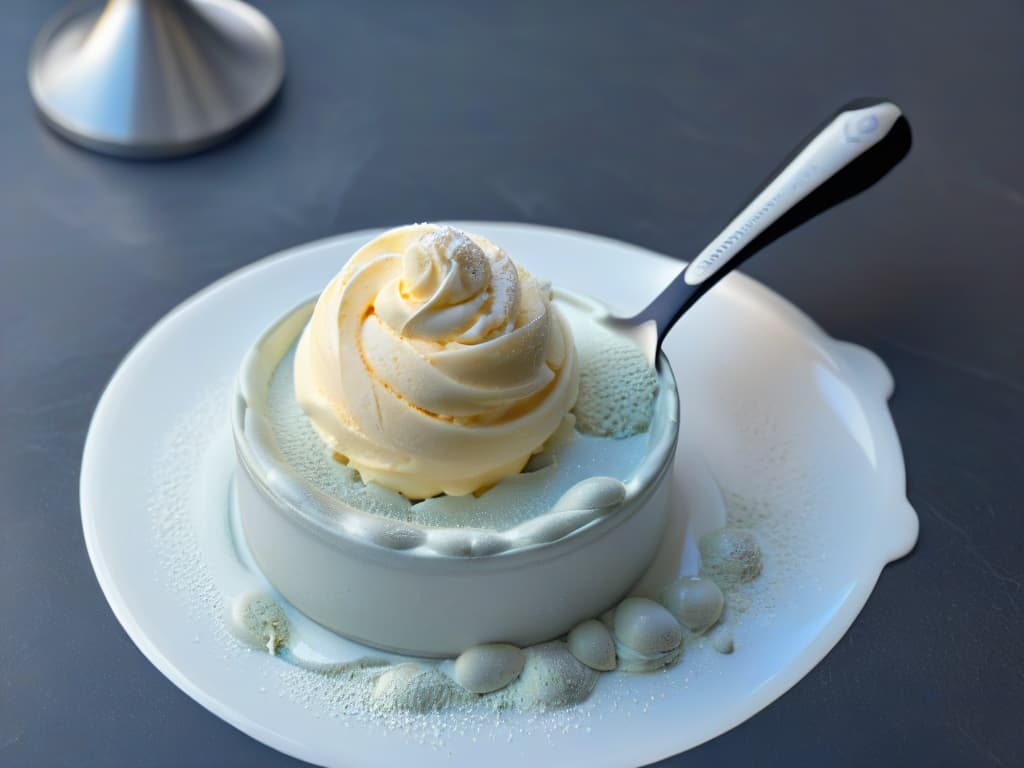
(433, 364)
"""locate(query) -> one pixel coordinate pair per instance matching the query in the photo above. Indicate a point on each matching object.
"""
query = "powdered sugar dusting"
(171, 502)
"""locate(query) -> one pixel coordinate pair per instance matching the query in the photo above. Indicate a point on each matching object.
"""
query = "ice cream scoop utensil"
(849, 153)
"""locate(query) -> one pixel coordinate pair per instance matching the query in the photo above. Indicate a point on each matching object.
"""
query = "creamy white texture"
(433, 364)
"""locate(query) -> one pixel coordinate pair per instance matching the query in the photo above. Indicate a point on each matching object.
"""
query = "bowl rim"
(360, 532)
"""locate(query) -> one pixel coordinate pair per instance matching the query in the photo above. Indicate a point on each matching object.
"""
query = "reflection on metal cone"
(155, 78)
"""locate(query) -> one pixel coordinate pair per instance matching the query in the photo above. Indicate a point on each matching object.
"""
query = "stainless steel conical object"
(155, 78)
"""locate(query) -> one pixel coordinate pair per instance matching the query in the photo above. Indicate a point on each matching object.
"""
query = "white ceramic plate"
(786, 417)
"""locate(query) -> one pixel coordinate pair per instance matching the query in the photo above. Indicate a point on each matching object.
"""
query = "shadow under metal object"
(155, 78)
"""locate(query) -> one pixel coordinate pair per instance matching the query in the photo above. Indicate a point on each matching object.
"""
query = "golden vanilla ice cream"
(433, 364)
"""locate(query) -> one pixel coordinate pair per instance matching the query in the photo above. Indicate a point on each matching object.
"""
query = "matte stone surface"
(650, 122)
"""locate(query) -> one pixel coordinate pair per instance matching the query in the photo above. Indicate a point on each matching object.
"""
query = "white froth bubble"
(730, 556)
(723, 642)
(646, 627)
(257, 619)
(489, 667)
(592, 643)
(697, 603)
(631, 660)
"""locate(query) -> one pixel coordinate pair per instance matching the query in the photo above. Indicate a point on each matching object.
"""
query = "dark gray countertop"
(649, 122)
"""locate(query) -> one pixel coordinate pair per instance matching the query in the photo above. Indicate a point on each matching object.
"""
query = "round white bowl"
(429, 591)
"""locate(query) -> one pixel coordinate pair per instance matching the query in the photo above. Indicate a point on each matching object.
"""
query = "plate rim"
(855, 358)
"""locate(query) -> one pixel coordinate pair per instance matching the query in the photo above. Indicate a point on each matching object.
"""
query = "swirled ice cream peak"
(433, 364)
(451, 291)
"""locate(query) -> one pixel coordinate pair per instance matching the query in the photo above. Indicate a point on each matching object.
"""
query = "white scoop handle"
(848, 136)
